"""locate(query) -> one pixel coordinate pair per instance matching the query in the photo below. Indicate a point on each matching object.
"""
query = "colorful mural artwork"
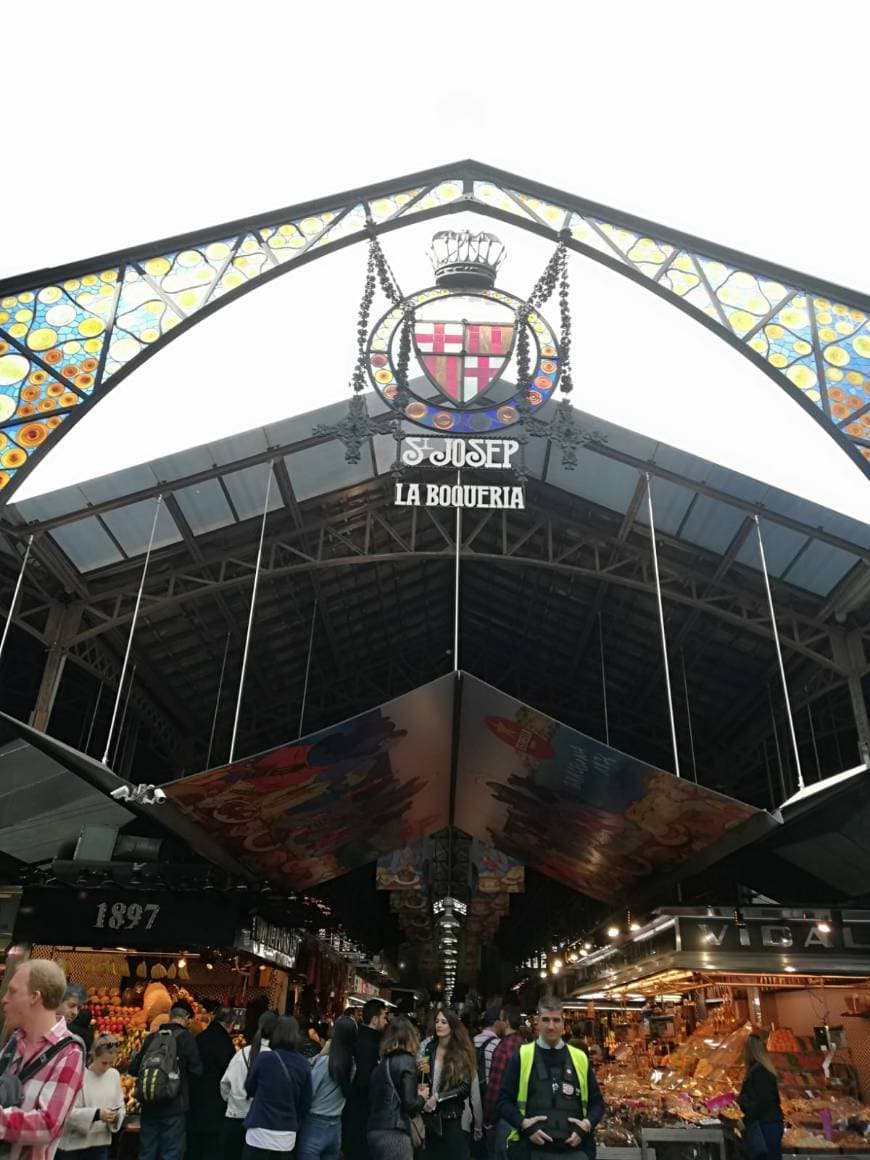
(310, 811)
(574, 808)
(529, 791)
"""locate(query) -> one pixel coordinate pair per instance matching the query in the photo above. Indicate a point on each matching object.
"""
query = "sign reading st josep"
(456, 454)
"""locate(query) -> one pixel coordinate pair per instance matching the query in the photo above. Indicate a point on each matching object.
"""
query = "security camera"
(121, 794)
(159, 796)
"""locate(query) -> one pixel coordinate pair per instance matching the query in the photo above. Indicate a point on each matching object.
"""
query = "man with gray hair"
(72, 1009)
(549, 1094)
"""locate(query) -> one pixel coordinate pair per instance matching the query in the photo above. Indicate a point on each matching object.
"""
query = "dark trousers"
(203, 1145)
(162, 1137)
(266, 1154)
(452, 1144)
(232, 1138)
(353, 1130)
(772, 1131)
(523, 1150)
(98, 1152)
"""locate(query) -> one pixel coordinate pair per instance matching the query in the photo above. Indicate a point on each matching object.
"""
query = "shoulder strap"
(277, 1055)
(388, 1065)
(36, 1065)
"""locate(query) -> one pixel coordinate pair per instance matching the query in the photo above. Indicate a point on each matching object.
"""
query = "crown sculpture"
(466, 261)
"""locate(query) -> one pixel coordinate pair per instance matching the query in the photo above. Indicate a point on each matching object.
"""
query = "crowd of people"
(371, 1087)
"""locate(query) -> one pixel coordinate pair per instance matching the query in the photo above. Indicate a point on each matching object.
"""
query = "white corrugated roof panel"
(325, 468)
(87, 544)
(131, 526)
(205, 506)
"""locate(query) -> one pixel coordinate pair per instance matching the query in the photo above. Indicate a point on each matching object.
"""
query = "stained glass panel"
(61, 341)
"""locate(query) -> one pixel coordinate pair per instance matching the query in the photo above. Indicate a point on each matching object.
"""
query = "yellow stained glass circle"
(13, 368)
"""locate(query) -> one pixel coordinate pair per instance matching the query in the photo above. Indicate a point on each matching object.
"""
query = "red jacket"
(501, 1057)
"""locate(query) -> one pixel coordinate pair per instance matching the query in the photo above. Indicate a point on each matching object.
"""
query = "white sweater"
(233, 1083)
(98, 1091)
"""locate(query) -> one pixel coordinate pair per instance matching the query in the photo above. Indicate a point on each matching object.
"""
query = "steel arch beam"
(69, 335)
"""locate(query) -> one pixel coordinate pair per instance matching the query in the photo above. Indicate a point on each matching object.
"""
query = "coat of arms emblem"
(465, 333)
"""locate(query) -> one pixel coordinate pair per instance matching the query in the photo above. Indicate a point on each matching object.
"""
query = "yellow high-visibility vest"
(527, 1058)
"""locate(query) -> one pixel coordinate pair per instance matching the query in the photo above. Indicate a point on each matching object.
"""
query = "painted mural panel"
(337, 799)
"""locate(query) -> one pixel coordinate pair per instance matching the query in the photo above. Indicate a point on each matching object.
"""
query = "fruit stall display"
(700, 1085)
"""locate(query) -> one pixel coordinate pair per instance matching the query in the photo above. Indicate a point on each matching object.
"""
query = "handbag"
(754, 1144)
(416, 1127)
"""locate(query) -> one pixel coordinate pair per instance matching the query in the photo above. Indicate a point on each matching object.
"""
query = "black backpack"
(159, 1078)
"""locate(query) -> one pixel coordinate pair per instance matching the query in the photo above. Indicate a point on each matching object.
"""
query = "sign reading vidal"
(456, 454)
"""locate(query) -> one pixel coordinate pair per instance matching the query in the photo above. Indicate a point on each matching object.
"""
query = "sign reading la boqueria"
(456, 454)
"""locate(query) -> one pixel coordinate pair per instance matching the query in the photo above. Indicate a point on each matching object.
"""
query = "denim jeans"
(162, 1137)
(319, 1138)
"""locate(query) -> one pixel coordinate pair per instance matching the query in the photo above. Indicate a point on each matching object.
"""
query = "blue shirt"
(327, 1098)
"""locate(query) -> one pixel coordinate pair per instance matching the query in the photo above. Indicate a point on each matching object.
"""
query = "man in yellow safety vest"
(549, 1095)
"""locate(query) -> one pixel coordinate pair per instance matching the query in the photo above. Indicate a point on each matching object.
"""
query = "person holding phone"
(98, 1110)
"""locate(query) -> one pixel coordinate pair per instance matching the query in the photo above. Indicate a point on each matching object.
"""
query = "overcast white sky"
(735, 124)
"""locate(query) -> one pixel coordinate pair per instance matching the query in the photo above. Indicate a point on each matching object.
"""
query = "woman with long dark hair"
(453, 1078)
(394, 1094)
(233, 1086)
(279, 1087)
(759, 1102)
(331, 1074)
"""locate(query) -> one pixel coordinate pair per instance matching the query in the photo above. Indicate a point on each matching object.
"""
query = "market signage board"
(453, 455)
(849, 934)
(124, 917)
(270, 942)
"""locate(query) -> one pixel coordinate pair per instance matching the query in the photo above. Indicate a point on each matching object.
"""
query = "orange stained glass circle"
(38, 377)
(53, 422)
(54, 389)
(90, 364)
(14, 457)
(52, 357)
(543, 383)
(84, 381)
(548, 367)
(46, 405)
(32, 435)
(4, 478)
(26, 410)
(68, 399)
(69, 371)
(415, 410)
(30, 394)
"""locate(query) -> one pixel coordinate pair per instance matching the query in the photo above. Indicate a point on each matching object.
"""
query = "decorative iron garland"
(562, 429)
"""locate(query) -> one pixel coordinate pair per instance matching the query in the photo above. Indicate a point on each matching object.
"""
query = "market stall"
(674, 1004)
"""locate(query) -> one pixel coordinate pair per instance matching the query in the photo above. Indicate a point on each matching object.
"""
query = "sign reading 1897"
(126, 915)
(459, 453)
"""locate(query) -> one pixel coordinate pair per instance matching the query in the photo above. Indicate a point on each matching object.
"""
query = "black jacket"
(507, 1106)
(366, 1054)
(451, 1101)
(189, 1065)
(384, 1110)
(759, 1096)
(207, 1107)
